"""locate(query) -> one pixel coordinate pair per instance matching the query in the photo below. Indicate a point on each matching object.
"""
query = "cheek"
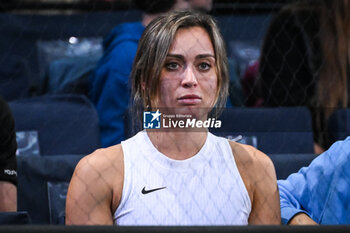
(211, 86)
(165, 90)
(162, 88)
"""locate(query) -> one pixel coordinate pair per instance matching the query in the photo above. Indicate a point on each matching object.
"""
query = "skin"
(188, 85)
(318, 149)
(95, 189)
(259, 177)
(189, 82)
(8, 197)
(302, 219)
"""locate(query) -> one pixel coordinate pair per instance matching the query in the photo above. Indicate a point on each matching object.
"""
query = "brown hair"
(332, 67)
(153, 49)
(335, 39)
(332, 84)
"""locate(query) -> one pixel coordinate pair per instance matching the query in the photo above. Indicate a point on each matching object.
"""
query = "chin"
(193, 111)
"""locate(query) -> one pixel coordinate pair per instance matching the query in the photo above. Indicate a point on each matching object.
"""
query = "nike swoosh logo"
(144, 191)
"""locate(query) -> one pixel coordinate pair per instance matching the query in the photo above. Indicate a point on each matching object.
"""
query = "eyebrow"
(197, 57)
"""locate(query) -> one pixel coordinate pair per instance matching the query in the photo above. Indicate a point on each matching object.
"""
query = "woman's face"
(188, 81)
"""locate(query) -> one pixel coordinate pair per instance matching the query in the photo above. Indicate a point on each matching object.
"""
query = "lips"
(189, 99)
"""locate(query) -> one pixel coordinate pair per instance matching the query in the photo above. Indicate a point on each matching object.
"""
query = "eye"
(172, 66)
(204, 66)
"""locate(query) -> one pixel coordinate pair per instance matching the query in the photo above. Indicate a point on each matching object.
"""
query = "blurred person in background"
(201, 5)
(176, 176)
(8, 163)
(305, 61)
(109, 84)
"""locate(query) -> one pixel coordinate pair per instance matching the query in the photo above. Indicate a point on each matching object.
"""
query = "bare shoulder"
(258, 174)
(255, 167)
(102, 160)
(103, 171)
(103, 168)
(250, 158)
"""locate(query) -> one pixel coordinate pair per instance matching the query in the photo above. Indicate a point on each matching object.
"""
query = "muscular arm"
(266, 207)
(258, 174)
(95, 189)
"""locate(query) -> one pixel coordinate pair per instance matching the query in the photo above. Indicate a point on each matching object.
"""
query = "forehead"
(193, 39)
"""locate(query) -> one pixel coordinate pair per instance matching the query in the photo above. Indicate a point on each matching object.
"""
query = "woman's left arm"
(266, 203)
(259, 177)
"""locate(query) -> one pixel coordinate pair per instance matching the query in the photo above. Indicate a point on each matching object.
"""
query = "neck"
(179, 145)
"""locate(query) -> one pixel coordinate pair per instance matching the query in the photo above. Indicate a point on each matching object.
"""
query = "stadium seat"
(66, 124)
(69, 75)
(286, 164)
(276, 130)
(14, 218)
(14, 77)
(22, 33)
(42, 186)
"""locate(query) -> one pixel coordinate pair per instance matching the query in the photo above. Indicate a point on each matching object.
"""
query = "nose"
(189, 79)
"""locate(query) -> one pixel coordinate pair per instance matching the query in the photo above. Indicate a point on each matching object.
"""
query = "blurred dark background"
(52, 6)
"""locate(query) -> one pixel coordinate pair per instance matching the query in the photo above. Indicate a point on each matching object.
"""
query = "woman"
(177, 176)
(305, 61)
(110, 89)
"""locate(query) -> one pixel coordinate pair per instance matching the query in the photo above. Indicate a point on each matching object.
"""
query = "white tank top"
(205, 189)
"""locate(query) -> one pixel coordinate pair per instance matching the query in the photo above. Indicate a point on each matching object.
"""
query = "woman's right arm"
(95, 188)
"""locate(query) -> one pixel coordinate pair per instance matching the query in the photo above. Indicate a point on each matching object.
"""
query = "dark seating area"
(66, 124)
(277, 130)
(15, 218)
(24, 32)
(35, 175)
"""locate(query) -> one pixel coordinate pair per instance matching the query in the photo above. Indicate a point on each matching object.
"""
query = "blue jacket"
(321, 190)
(109, 85)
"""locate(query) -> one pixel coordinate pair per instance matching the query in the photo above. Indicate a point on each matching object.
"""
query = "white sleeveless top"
(205, 189)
